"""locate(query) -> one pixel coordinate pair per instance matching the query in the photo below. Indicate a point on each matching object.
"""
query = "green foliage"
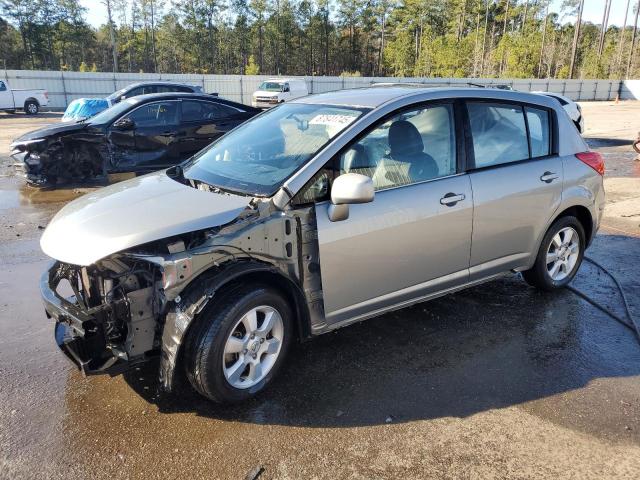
(405, 38)
(252, 68)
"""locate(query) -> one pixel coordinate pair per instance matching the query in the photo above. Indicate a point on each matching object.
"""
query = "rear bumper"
(78, 335)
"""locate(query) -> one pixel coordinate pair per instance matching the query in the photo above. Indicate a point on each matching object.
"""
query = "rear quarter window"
(539, 131)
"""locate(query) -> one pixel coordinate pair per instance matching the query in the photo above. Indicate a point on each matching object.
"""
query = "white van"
(277, 90)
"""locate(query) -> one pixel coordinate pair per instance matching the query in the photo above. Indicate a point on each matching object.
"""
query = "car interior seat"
(406, 145)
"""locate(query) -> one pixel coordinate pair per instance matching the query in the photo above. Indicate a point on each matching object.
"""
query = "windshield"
(114, 112)
(257, 157)
(270, 87)
(116, 95)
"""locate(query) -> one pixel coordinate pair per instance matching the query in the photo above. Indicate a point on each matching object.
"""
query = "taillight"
(46, 95)
(593, 159)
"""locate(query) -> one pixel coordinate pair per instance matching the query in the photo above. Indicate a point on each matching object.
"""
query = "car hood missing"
(133, 213)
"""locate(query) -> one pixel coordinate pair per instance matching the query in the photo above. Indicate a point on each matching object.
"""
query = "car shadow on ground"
(496, 345)
(597, 142)
(39, 115)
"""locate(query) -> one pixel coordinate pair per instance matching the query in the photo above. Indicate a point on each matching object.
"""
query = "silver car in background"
(318, 213)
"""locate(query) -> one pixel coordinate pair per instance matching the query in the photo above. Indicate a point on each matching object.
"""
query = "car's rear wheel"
(238, 343)
(559, 256)
(31, 107)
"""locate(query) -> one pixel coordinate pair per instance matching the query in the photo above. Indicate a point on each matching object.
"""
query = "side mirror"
(125, 124)
(349, 188)
(285, 89)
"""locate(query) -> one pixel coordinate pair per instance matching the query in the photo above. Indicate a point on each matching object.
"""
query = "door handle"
(168, 134)
(548, 177)
(450, 199)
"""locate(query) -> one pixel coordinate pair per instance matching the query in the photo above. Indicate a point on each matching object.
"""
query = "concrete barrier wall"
(66, 86)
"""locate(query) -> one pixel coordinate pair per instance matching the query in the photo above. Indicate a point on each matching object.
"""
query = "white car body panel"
(267, 99)
(11, 99)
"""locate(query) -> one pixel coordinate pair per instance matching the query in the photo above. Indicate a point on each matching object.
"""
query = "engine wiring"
(631, 324)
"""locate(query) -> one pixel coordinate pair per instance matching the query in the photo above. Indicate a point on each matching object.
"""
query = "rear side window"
(193, 111)
(538, 121)
(499, 133)
(2, 87)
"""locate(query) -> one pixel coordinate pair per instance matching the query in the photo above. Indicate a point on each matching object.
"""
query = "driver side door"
(414, 239)
(150, 143)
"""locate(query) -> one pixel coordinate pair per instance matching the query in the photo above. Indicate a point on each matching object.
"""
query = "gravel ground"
(499, 381)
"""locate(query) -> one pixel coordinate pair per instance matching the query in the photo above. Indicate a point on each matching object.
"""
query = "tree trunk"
(112, 35)
(153, 39)
(576, 37)
(484, 38)
(633, 40)
(475, 46)
(621, 41)
(603, 30)
(544, 33)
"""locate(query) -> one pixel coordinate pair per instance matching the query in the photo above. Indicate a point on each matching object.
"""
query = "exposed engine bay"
(119, 303)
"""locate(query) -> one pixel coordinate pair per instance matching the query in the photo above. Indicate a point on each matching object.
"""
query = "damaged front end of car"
(105, 314)
(34, 158)
(61, 159)
(140, 303)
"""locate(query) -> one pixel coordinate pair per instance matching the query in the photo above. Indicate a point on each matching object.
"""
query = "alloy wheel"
(252, 348)
(563, 253)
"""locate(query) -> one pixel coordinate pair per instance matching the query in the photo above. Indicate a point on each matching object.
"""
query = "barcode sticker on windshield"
(333, 120)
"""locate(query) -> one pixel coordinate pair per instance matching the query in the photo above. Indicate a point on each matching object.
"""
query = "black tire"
(31, 107)
(205, 343)
(539, 276)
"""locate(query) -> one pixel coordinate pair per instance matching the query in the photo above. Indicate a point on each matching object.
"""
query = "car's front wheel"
(238, 343)
(559, 256)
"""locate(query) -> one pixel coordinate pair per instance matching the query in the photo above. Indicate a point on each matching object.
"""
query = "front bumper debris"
(80, 337)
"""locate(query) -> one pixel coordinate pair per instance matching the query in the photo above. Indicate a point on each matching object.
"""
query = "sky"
(97, 12)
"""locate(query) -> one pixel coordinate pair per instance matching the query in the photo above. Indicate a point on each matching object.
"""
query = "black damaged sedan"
(140, 134)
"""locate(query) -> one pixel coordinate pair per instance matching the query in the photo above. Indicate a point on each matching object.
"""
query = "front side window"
(115, 97)
(257, 157)
(155, 114)
(134, 93)
(499, 133)
(411, 147)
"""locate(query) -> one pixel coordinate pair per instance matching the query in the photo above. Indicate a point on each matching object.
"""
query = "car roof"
(161, 82)
(375, 96)
(194, 96)
(280, 80)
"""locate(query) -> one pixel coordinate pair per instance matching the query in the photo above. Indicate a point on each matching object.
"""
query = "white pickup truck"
(28, 100)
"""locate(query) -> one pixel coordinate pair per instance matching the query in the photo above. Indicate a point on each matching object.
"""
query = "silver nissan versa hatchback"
(321, 212)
